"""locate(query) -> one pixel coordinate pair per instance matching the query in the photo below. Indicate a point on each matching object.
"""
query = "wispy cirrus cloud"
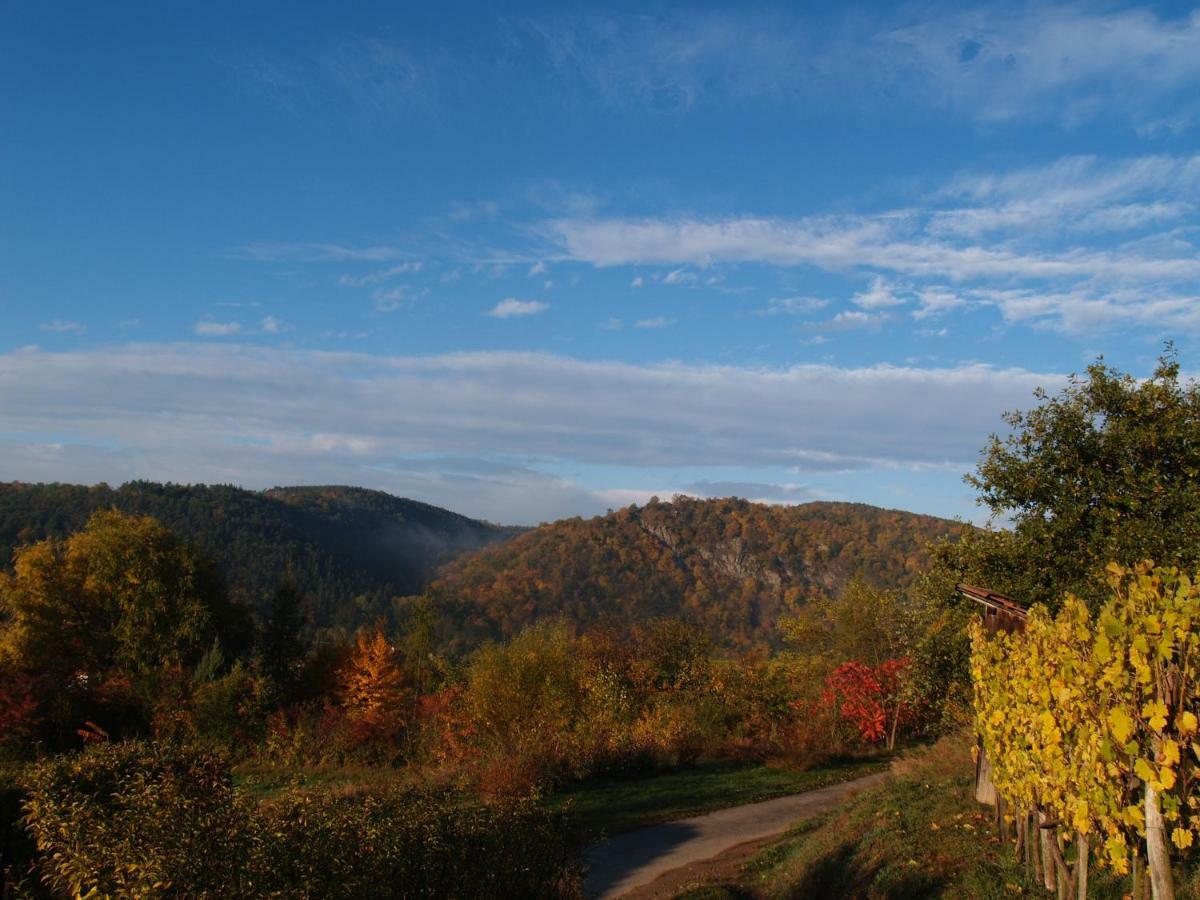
(283, 251)
(1061, 63)
(63, 326)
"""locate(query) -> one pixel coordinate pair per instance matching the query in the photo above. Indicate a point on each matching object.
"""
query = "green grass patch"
(607, 806)
(267, 783)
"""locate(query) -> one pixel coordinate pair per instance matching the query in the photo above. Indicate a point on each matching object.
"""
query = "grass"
(606, 806)
(266, 783)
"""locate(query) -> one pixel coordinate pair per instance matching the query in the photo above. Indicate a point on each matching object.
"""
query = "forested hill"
(351, 549)
(730, 566)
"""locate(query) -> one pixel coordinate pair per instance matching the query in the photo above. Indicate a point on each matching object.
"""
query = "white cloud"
(680, 277)
(893, 242)
(313, 252)
(538, 268)
(879, 295)
(935, 302)
(63, 326)
(208, 328)
(612, 324)
(637, 282)
(270, 325)
(511, 306)
(391, 299)
(373, 278)
(655, 322)
(1088, 243)
(754, 491)
(263, 416)
(794, 306)
(850, 320)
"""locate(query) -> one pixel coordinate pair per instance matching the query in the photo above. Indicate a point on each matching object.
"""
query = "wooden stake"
(1049, 881)
(1081, 863)
(1158, 858)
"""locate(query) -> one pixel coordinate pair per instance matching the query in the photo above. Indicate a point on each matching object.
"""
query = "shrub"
(136, 819)
(149, 820)
(413, 843)
(16, 849)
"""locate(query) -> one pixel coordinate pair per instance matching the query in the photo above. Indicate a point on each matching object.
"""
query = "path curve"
(635, 859)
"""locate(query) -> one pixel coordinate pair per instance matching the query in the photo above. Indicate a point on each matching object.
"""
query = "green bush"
(148, 820)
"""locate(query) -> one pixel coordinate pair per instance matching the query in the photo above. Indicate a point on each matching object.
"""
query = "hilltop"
(730, 566)
(351, 549)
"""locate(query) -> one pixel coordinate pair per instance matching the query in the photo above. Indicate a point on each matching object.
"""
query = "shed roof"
(996, 601)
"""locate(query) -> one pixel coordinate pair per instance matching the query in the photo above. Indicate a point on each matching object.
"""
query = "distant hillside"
(351, 549)
(729, 565)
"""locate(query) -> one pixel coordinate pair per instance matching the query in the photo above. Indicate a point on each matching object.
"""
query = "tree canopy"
(1104, 471)
(123, 595)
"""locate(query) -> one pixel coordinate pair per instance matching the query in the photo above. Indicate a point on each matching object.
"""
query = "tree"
(122, 597)
(374, 692)
(862, 623)
(1106, 470)
(282, 644)
(870, 698)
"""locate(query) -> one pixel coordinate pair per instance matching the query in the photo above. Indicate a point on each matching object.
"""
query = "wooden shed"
(1000, 613)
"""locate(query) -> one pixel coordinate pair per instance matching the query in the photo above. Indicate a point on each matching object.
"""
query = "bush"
(148, 820)
(137, 819)
(418, 843)
(16, 849)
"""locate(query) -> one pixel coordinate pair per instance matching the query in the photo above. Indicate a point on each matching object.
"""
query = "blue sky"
(535, 261)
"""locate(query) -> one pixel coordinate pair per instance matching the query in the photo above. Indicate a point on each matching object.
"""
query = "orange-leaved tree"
(374, 691)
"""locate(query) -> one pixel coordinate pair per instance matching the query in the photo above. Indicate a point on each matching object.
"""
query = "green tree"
(281, 641)
(862, 623)
(1105, 470)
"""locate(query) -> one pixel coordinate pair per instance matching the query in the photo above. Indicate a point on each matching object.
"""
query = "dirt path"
(633, 860)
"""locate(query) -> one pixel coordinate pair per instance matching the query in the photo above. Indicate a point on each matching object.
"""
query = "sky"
(535, 261)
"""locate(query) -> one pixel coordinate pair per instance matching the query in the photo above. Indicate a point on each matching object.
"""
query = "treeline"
(730, 567)
(122, 631)
(352, 550)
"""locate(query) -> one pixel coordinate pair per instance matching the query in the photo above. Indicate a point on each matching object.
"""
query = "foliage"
(137, 820)
(859, 623)
(281, 641)
(145, 820)
(1079, 713)
(728, 567)
(123, 594)
(373, 690)
(870, 698)
(1106, 470)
